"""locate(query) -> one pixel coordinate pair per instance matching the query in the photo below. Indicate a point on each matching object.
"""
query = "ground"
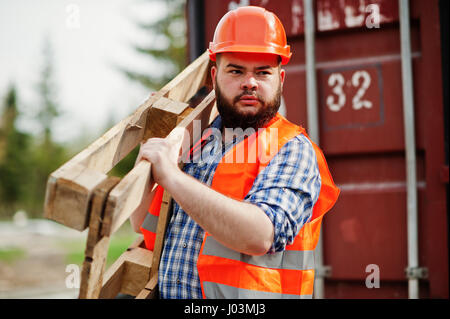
(35, 254)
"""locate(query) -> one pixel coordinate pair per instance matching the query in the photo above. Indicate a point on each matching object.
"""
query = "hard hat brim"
(284, 53)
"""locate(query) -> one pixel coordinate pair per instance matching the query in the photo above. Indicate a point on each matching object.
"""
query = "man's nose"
(249, 82)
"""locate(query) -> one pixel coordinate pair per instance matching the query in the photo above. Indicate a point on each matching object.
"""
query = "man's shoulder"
(301, 138)
(300, 141)
(294, 151)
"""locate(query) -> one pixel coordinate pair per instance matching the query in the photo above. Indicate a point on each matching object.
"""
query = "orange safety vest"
(225, 273)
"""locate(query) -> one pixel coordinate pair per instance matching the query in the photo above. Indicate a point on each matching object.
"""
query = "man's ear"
(213, 75)
(282, 76)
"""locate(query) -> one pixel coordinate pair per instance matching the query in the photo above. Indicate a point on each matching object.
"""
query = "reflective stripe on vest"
(236, 275)
(220, 291)
(225, 273)
(290, 259)
(150, 223)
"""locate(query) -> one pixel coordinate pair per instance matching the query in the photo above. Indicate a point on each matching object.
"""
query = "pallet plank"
(129, 273)
(96, 245)
(128, 195)
(163, 219)
(67, 198)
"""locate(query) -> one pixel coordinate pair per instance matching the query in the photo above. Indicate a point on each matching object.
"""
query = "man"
(243, 230)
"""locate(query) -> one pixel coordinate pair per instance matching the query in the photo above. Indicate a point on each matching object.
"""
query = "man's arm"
(271, 215)
(240, 226)
(287, 189)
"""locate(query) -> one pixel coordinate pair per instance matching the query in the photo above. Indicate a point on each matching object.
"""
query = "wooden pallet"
(80, 194)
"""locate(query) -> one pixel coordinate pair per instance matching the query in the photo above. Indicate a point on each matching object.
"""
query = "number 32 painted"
(337, 81)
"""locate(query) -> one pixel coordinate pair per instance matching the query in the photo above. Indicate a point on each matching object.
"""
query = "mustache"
(233, 119)
(251, 93)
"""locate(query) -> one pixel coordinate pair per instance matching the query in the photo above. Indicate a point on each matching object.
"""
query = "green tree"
(168, 46)
(48, 109)
(14, 157)
(47, 154)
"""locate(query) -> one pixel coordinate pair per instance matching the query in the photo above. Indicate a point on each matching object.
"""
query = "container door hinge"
(416, 272)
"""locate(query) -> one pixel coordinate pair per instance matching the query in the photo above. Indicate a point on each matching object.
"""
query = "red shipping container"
(359, 82)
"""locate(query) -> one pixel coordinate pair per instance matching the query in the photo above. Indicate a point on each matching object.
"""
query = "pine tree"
(48, 109)
(168, 46)
(47, 154)
(14, 157)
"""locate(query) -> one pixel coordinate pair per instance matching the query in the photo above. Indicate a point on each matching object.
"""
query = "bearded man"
(242, 229)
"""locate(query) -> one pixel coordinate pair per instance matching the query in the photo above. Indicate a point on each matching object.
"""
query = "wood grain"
(69, 189)
(132, 190)
(96, 245)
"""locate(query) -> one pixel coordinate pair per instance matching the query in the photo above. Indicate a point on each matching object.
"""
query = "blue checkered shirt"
(286, 190)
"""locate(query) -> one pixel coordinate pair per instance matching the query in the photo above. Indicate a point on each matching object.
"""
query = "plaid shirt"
(286, 190)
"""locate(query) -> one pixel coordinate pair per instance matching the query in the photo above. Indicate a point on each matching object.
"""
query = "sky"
(89, 40)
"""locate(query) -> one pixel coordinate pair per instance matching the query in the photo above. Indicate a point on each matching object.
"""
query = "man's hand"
(164, 154)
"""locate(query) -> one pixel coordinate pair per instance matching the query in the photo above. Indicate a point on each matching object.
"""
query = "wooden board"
(164, 115)
(129, 273)
(126, 197)
(117, 278)
(164, 215)
(70, 188)
(96, 245)
(150, 290)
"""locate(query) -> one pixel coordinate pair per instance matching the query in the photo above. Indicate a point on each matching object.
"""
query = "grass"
(75, 251)
(118, 245)
(10, 255)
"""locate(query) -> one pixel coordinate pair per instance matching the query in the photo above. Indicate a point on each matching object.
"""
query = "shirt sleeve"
(287, 189)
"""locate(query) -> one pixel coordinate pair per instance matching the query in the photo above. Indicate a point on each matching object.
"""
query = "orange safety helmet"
(250, 29)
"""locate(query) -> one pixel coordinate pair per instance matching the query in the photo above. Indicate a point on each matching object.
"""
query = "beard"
(232, 118)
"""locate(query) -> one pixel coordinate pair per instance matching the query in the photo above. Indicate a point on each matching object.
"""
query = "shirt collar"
(217, 123)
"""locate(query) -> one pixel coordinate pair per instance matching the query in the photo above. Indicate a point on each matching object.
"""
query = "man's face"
(248, 88)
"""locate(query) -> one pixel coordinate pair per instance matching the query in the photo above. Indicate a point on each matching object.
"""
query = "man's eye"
(263, 73)
(235, 72)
